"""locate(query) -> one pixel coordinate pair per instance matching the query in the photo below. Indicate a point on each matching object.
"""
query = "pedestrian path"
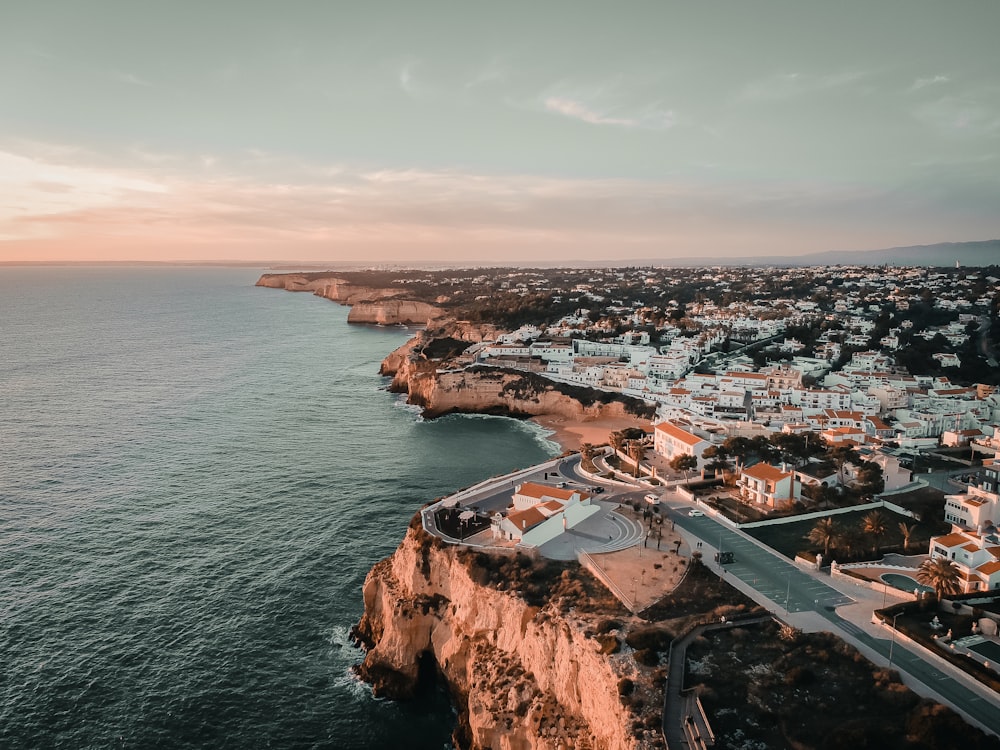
(608, 531)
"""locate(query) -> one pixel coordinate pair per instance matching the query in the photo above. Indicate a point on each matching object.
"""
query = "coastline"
(570, 434)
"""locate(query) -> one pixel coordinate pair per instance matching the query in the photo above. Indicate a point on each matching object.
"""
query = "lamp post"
(893, 641)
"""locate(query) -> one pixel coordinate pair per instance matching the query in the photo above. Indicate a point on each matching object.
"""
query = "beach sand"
(570, 434)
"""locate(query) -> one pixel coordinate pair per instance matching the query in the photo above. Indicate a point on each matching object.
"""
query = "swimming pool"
(903, 583)
(988, 649)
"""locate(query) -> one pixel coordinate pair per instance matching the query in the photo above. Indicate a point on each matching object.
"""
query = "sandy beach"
(571, 434)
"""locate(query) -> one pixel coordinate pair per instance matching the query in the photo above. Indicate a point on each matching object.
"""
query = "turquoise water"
(195, 476)
(904, 583)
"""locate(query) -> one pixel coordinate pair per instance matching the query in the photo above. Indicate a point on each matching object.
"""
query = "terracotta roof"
(676, 432)
(970, 547)
(989, 568)
(537, 490)
(527, 518)
(951, 540)
(766, 472)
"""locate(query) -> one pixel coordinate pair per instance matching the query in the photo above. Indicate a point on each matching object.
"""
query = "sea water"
(195, 477)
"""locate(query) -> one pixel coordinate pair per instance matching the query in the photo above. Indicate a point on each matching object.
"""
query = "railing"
(591, 564)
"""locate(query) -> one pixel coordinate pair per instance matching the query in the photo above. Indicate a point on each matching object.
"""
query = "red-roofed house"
(764, 484)
(539, 513)
(671, 440)
(977, 557)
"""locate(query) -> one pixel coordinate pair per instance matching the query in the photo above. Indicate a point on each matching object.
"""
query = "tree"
(684, 462)
(940, 574)
(825, 532)
(841, 455)
(907, 531)
(616, 439)
(636, 451)
(739, 448)
(870, 478)
(587, 453)
(875, 524)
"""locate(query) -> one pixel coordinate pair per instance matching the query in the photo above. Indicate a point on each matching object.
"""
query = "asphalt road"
(791, 591)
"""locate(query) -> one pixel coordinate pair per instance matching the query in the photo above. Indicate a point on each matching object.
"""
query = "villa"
(764, 484)
(977, 557)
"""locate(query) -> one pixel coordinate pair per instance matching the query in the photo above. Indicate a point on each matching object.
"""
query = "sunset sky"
(493, 132)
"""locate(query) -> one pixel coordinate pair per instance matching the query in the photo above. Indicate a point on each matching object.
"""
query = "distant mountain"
(985, 253)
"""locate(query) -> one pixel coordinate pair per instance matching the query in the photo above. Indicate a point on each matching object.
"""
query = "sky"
(492, 132)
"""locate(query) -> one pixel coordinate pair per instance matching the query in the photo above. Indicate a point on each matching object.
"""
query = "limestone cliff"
(442, 388)
(382, 306)
(523, 677)
(393, 312)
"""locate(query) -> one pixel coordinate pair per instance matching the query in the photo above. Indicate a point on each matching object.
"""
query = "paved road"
(780, 585)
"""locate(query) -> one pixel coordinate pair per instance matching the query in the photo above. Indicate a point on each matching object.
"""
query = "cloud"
(494, 71)
(330, 211)
(650, 118)
(962, 116)
(406, 79)
(921, 83)
(130, 78)
(788, 85)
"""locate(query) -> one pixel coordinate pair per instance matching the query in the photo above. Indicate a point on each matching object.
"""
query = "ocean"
(195, 477)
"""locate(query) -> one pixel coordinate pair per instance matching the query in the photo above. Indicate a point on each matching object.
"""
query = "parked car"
(695, 513)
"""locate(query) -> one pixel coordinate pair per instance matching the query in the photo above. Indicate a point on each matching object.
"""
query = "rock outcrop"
(393, 312)
(523, 677)
(441, 388)
(382, 306)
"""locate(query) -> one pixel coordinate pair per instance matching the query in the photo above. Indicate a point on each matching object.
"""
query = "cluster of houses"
(973, 545)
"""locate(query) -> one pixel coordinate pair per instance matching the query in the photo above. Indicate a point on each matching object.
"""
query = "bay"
(195, 477)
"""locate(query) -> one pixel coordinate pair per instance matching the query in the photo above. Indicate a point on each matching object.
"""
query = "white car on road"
(695, 513)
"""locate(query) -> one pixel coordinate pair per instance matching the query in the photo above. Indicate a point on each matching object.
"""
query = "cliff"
(440, 388)
(379, 305)
(392, 312)
(524, 675)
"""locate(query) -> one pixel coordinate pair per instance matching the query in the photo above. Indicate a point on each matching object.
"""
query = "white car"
(695, 513)
(653, 499)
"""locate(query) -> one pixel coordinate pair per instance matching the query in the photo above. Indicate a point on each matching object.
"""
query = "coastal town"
(822, 439)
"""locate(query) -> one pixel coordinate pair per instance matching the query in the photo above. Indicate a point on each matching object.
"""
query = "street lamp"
(893, 641)
(788, 591)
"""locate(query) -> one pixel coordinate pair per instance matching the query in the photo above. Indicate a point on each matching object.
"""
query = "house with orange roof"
(844, 436)
(976, 555)
(529, 494)
(671, 440)
(767, 485)
(539, 512)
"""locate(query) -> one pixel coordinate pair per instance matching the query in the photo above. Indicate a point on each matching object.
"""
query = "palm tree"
(616, 439)
(853, 541)
(841, 455)
(825, 532)
(940, 574)
(587, 453)
(636, 451)
(907, 531)
(875, 524)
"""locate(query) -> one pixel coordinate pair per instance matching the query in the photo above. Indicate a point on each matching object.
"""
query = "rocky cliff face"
(393, 312)
(523, 677)
(442, 389)
(381, 306)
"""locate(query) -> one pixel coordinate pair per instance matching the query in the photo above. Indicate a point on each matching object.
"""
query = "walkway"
(678, 718)
(811, 601)
(607, 531)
